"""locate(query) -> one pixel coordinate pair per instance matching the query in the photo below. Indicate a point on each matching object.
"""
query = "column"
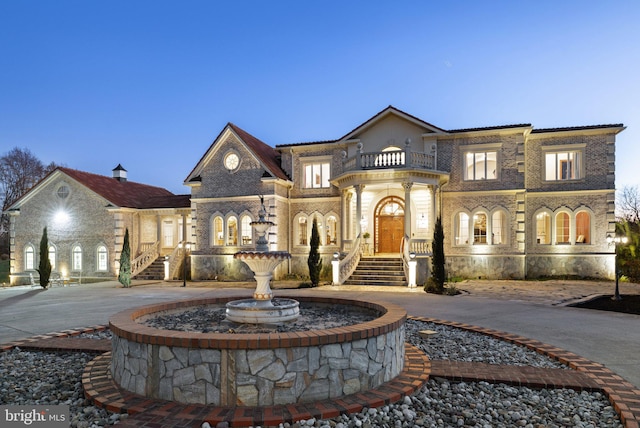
(359, 188)
(407, 208)
(434, 212)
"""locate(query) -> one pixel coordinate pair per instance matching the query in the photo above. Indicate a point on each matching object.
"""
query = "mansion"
(515, 202)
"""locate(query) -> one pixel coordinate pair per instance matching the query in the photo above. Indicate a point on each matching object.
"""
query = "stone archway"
(389, 225)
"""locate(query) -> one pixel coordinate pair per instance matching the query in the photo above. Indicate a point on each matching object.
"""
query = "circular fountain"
(262, 309)
(258, 369)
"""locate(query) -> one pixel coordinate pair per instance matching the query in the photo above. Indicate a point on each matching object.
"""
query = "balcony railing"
(395, 159)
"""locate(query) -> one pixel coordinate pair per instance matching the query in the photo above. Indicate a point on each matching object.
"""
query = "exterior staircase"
(155, 271)
(378, 271)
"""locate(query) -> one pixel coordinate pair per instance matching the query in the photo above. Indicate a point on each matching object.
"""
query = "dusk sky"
(150, 84)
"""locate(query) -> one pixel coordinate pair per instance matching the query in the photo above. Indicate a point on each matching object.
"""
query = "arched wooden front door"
(389, 229)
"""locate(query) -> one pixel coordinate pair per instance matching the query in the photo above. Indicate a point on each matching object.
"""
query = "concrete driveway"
(532, 309)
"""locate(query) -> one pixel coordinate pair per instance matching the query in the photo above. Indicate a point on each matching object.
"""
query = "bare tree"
(628, 204)
(20, 170)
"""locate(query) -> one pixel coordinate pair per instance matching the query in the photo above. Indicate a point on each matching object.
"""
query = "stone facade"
(390, 177)
(261, 377)
(86, 216)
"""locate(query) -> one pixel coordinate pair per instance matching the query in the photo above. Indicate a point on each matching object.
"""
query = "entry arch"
(389, 224)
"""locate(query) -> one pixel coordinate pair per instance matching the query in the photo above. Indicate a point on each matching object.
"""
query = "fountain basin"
(254, 311)
(256, 369)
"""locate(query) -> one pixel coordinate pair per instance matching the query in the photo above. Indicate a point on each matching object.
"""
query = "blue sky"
(150, 84)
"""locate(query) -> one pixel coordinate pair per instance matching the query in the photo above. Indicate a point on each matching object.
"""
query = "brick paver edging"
(100, 387)
(624, 396)
(44, 341)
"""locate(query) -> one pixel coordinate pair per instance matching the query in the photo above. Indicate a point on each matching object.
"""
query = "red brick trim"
(124, 324)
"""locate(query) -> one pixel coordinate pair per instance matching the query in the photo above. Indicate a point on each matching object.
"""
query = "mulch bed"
(630, 304)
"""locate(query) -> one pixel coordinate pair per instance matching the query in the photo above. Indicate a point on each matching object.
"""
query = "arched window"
(232, 231)
(543, 228)
(331, 230)
(52, 257)
(462, 228)
(563, 228)
(218, 231)
(29, 258)
(102, 258)
(583, 228)
(480, 228)
(245, 230)
(76, 258)
(302, 231)
(498, 228)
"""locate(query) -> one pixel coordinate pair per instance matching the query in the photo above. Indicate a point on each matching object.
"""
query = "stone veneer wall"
(256, 369)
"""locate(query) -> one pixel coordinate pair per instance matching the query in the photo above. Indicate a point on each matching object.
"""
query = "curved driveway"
(609, 338)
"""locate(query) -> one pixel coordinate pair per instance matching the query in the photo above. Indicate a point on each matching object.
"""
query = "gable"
(234, 138)
(389, 131)
(126, 194)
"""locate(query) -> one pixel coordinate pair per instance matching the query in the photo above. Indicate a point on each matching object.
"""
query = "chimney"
(119, 173)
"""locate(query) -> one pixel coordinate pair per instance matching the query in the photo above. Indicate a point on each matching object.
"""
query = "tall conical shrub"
(438, 273)
(124, 276)
(314, 261)
(44, 267)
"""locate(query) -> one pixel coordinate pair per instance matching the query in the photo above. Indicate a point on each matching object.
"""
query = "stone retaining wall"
(256, 369)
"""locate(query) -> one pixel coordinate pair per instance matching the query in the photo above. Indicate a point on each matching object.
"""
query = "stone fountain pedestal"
(262, 309)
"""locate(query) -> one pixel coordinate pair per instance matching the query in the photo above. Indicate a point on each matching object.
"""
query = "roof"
(577, 128)
(491, 128)
(126, 194)
(266, 153)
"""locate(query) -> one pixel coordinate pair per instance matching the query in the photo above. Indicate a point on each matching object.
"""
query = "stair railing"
(175, 261)
(347, 265)
(145, 259)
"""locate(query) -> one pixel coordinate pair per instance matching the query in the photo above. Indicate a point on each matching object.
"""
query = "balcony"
(386, 160)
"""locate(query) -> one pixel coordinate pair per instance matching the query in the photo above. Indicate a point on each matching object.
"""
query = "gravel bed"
(211, 319)
(460, 345)
(50, 378)
(53, 378)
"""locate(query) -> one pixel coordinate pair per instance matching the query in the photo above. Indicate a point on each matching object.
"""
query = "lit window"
(480, 165)
(563, 227)
(563, 166)
(302, 231)
(246, 232)
(232, 231)
(52, 257)
(480, 228)
(29, 258)
(102, 258)
(543, 228)
(462, 229)
(76, 256)
(498, 228)
(332, 230)
(167, 231)
(583, 228)
(316, 175)
(218, 231)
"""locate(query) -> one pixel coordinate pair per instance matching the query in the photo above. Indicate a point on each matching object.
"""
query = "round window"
(63, 192)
